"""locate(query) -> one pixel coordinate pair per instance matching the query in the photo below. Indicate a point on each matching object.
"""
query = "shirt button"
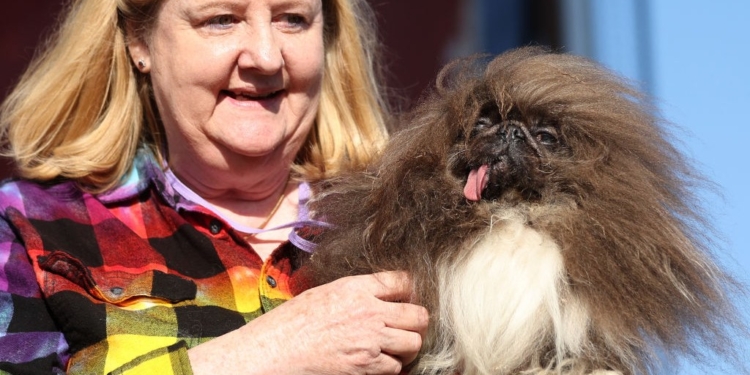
(271, 281)
(214, 226)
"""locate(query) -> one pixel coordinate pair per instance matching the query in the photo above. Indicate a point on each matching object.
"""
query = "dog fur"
(586, 256)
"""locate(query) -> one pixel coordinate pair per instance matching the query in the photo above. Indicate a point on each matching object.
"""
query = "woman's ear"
(138, 50)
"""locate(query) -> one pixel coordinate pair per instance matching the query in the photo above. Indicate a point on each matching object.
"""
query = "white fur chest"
(504, 303)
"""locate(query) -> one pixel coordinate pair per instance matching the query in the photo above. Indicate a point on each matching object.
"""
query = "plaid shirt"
(125, 281)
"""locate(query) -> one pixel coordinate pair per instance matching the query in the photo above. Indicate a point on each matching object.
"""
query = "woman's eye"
(222, 21)
(293, 21)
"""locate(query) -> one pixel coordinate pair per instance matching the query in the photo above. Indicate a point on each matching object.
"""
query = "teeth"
(256, 97)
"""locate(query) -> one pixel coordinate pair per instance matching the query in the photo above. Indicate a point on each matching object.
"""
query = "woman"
(161, 145)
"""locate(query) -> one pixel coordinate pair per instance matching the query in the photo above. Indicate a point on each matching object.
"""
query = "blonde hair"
(81, 110)
(351, 119)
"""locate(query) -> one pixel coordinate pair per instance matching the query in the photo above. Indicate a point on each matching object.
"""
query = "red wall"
(23, 24)
(414, 34)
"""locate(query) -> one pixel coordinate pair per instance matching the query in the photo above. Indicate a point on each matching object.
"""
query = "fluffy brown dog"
(547, 221)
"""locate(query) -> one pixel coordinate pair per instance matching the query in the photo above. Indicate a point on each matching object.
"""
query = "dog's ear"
(462, 93)
(456, 73)
(513, 57)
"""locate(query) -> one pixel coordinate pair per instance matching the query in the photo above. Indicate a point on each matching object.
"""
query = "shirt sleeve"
(30, 342)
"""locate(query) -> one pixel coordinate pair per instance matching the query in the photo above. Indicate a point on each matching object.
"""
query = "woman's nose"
(261, 51)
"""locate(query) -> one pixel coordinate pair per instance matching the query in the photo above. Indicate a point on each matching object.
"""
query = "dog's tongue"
(476, 183)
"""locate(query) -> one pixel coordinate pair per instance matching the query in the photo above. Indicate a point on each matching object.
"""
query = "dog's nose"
(512, 132)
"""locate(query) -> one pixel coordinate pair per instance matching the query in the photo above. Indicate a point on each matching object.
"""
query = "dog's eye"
(481, 124)
(545, 137)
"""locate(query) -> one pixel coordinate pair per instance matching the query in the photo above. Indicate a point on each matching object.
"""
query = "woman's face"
(236, 79)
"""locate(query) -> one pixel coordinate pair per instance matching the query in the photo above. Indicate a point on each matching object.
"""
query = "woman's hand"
(350, 326)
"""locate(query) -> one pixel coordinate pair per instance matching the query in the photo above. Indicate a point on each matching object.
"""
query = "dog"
(547, 220)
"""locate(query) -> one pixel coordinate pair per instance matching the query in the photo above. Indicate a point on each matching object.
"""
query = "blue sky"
(701, 69)
(693, 56)
(701, 77)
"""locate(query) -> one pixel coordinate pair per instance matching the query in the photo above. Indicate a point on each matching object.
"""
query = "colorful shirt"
(125, 281)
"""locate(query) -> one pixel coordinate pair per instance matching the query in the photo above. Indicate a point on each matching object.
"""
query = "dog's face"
(507, 154)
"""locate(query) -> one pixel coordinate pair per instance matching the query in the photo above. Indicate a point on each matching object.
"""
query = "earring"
(141, 64)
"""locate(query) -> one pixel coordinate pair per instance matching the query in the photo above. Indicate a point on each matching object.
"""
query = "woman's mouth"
(269, 100)
(245, 96)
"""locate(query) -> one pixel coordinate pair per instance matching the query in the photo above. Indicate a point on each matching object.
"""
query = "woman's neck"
(264, 200)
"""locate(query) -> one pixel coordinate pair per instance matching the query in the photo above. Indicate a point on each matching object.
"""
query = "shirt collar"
(147, 172)
(144, 173)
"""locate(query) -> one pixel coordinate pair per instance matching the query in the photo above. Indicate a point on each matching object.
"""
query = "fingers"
(403, 345)
(406, 316)
(391, 286)
(395, 330)
(396, 286)
(406, 323)
(386, 363)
